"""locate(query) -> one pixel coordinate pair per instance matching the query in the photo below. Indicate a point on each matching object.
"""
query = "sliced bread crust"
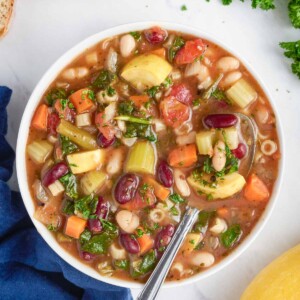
(6, 8)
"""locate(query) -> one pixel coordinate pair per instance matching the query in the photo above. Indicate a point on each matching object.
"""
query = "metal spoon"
(160, 272)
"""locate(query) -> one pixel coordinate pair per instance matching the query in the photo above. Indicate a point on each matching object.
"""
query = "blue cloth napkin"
(29, 268)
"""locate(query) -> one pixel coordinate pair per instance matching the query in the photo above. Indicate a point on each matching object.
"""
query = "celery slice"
(39, 151)
(241, 93)
(231, 136)
(204, 141)
(76, 135)
(141, 158)
(92, 182)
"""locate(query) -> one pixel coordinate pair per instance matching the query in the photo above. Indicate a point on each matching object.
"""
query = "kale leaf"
(67, 146)
(104, 79)
(55, 94)
(86, 206)
(70, 183)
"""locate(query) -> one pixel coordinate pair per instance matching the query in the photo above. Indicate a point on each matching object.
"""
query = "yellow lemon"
(280, 280)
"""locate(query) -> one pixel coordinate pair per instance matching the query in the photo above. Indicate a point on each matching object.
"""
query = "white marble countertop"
(43, 30)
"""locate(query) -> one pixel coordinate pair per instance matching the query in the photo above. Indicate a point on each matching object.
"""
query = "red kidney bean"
(155, 35)
(55, 173)
(94, 225)
(126, 188)
(240, 151)
(165, 174)
(130, 244)
(52, 123)
(87, 256)
(102, 208)
(164, 237)
(103, 142)
(220, 120)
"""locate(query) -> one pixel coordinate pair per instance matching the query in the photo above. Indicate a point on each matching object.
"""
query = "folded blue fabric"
(29, 268)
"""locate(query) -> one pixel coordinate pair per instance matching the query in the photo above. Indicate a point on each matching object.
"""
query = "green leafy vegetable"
(126, 107)
(231, 235)
(70, 183)
(294, 12)
(147, 264)
(99, 243)
(86, 206)
(110, 91)
(203, 220)
(55, 94)
(85, 236)
(109, 227)
(67, 146)
(292, 51)
(137, 35)
(51, 227)
(263, 4)
(177, 44)
(152, 91)
(176, 198)
(174, 211)
(183, 7)
(140, 131)
(122, 264)
(104, 79)
(68, 208)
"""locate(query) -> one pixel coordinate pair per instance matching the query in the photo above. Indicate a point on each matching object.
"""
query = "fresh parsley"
(176, 198)
(137, 35)
(70, 183)
(292, 51)
(85, 206)
(67, 146)
(177, 44)
(104, 79)
(55, 94)
(294, 12)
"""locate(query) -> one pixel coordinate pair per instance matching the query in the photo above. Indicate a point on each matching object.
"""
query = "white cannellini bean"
(202, 259)
(185, 128)
(103, 97)
(181, 183)
(117, 252)
(81, 72)
(207, 61)
(127, 220)
(227, 64)
(92, 58)
(262, 115)
(159, 125)
(230, 79)
(213, 242)
(69, 74)
(192, 69)
(110, 111)
(203, 73)
(157, 215)
(189, 138)
(111, 60)
(268, 147)
(219, 225)
(64, 85)
(52, 139)
(219, 157)
(128, 141)
(205, 84)
(127, 45)
(114, 164)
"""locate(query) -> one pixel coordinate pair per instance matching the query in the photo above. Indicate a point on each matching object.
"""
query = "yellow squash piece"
(92, 181)
(146, 70)
(81, 162)
(191, 241)
(230, 185)
(279, 280)
(141, 158)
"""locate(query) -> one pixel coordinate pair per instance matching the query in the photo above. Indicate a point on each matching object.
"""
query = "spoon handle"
(159, 274)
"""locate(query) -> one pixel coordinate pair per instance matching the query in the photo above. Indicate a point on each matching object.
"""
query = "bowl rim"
(33, 101)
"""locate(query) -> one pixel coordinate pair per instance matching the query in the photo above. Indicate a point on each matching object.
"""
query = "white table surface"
(43, 30)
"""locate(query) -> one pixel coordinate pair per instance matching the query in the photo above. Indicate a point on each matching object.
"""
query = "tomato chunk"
(190, 51)
(182, 93)
(141, 200)
(174, 112)
(104, 126)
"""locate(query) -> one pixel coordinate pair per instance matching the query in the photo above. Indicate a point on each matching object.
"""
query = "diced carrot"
(140, 200)
(139, 100)
(161, 192)
(183, 156)
(159, 52)
(223, 212)
(82, 100)
(145, 241)
(255, 189)
(40, 118)
(75, 226)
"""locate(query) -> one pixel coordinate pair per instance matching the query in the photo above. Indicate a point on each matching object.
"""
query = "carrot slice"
(159, 52)
(145, 241)
(82, 100)
(139, 100)
(255, 189)
(75, 226)
(40, 118)
(184, 156)
(161, 192)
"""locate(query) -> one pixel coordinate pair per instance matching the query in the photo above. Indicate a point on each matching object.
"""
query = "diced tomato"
(182, 93)
(141, 201)
(174, 112)
(104, 126)
(52, 123)
(155, 35)
(190, 51)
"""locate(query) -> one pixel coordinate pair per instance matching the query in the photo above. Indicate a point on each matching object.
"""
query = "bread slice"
(6, 8)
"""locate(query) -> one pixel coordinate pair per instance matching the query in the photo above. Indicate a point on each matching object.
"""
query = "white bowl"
(39, 90)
